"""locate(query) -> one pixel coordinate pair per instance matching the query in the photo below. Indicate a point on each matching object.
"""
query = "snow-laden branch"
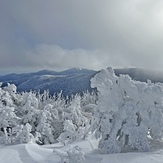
(129, 114)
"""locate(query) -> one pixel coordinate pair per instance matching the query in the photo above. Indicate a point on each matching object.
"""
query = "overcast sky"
(94, 34)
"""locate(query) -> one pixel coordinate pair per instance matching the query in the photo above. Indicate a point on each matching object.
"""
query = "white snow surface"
(33, 153)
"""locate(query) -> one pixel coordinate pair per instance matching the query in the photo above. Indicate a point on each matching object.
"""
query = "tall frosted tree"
(44, 125)
(8, 118)
(129, 114)
(75, 122)
(28, 109)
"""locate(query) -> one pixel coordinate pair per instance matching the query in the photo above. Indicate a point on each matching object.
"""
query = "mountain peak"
(77, 70)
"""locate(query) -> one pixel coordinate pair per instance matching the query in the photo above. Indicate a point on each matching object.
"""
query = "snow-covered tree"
(8, 118)
(88, 101)
(28, 109)
(72, 155)
(43, 115)
(75, 121)
(58, 105)
(128, 112)
(44, 125)
(25, 135)
(68, 135)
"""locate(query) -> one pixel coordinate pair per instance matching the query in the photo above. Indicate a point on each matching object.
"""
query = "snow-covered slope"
(33, 153)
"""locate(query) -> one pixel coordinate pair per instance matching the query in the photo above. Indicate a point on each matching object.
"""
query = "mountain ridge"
(15, 76)
(71, 81)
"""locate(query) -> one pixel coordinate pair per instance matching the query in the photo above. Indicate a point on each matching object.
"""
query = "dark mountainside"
(70, 81)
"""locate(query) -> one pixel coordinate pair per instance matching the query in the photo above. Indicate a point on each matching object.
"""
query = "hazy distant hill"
(71, 81)
(141, 74)
(73, 71)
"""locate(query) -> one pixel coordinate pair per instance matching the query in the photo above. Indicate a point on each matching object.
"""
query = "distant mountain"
(71, 81)
(45, 72)
(14, 76)
(69, 84)
(76, 70)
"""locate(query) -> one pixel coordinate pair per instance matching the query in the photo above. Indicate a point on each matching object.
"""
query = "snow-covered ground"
(33, 153)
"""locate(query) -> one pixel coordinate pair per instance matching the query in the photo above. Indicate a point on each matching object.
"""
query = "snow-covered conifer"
(44, 126)
(8, 118)
(25, 135)
(88, 101)
(75, 121)
(69, 134)
(127, 112)
(28, 110)
(72, 155)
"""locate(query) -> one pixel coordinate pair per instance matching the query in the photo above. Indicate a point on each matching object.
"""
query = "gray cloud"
(93, 34)
(53, 56)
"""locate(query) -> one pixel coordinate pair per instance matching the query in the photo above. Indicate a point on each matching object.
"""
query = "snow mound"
(32, 153)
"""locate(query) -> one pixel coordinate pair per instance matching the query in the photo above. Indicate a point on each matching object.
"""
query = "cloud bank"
(92, 34)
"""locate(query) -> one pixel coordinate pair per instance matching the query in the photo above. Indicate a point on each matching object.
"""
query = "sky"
(93, 34)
